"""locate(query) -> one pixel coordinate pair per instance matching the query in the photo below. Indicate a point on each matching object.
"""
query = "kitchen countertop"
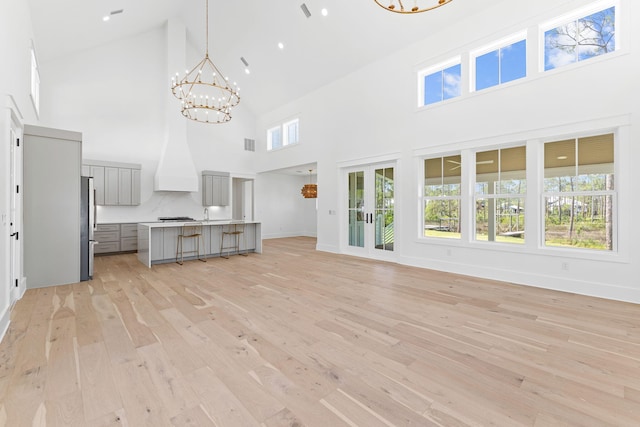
(168, 224)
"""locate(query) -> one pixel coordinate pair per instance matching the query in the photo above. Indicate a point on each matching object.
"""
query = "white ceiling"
(317, 50)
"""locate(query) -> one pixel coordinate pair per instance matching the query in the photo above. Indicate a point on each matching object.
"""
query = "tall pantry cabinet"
(51, 196)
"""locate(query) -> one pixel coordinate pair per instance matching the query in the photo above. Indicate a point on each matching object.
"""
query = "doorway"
(370, 217)
(242, 196)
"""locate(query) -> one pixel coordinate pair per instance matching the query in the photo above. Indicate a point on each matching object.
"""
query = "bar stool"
(192, 230)
(233, 232)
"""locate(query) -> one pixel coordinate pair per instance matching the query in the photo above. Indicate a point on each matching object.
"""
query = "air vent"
(116, 12)
(244, 61)
(249, 144)
(305, 10)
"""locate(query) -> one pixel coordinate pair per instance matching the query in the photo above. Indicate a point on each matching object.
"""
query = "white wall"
(116, 96)
(16, 34)
(281, 207)
(377, 117)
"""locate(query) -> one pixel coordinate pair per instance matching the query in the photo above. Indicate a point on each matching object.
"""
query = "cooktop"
(174, 218)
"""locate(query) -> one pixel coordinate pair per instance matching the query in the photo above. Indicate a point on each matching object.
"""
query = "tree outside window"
(579, 197)
(441, 198)
(580, 39)
(501, 187)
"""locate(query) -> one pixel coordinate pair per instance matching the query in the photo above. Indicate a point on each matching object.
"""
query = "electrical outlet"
(565, 266)
(448, 252)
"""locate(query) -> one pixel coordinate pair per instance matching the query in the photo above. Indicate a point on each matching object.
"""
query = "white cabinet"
(116, 184)
(215, 188)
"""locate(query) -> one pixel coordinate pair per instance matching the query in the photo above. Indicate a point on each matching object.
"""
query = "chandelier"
(205, 93)
(418, 5)
(310, 191)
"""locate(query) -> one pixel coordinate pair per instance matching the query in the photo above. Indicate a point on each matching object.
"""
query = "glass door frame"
(366, 212)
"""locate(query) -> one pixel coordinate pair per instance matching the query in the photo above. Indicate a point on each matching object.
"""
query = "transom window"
(283, 135)
(441, 198)
(440, 83)
(505, 62)
(35, 81)
(580, 37)
(579, 198)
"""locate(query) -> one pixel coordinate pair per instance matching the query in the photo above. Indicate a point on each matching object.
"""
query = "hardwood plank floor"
(295, 337)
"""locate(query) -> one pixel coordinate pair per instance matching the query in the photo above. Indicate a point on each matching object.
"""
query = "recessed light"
(106, 18)
(281, 46)
(324, 12)
(247, 71)
(562, 157)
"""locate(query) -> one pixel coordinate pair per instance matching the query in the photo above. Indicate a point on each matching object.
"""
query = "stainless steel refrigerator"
(87, 227)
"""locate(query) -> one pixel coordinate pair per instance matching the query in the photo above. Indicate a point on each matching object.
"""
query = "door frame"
(15, 192)
(369, 250)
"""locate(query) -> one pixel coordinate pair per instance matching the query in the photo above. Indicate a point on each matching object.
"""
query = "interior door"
(15, 214)
(371, 211)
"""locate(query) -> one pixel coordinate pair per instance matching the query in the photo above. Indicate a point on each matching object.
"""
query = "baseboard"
(581, 287)
(5, 319)
(328, 248)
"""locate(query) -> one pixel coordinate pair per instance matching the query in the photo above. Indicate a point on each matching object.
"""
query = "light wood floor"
(294, 337)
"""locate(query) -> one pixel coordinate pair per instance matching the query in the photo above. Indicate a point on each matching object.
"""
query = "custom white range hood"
(176, 170)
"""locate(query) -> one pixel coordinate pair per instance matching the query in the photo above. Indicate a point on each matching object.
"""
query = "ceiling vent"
(116, 12)
(249, 144)
(305, 10)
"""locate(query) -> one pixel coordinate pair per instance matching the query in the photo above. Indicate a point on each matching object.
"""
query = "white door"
(370, 211)
(15, 214)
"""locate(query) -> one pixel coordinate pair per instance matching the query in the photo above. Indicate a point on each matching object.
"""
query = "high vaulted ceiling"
(317, 49)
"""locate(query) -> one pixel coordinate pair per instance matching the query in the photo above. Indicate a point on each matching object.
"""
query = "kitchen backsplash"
(162, 204)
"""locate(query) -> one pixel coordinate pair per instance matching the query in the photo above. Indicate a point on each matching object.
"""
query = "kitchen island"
(157, 241)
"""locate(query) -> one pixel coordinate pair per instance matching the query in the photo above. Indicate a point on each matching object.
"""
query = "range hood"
(176, 170)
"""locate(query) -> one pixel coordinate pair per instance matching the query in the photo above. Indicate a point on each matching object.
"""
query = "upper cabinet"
(116, 184)
(215, 188)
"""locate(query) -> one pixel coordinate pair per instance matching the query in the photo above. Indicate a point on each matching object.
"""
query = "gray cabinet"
(50, 234)
(108, 238)
(116, 184)
(157, 243)
(124, 187)
(97, 172)
(110, 186)
(116, 238)
(215, 188)
(135, 187)
(128, 237)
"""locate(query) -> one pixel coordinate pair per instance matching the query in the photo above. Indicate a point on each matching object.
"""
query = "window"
(283, 135)
(581, 38)
(290, 132)
(35, 81)
(440, 83)
(274, 138)
(579, 197)
(501, 65)
(500, 190)
(441, 198)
